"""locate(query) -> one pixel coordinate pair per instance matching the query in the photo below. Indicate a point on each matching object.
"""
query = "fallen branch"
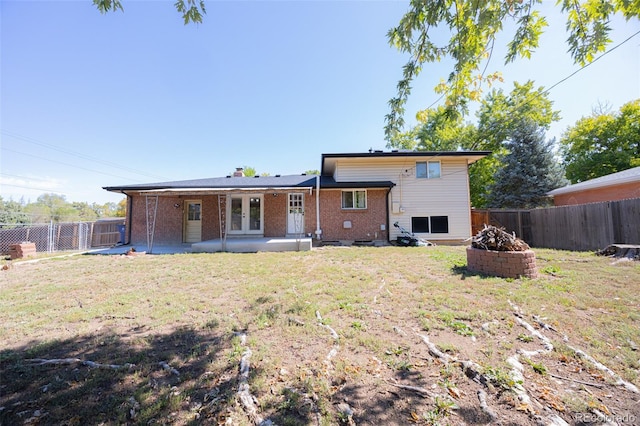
(420, 391)
(248, 401)
(470, 368)
(71, 361)
(321, 324)
(482, 397)
(543, 324)
(169, 368)
(595, 385)
(619, 380)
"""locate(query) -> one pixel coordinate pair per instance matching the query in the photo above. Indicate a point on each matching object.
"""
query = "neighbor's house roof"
(257, 183)
(625, 176)
(329, 160)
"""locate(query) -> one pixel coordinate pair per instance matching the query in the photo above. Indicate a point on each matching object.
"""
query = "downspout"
(388, 218)
(318, 229)
(129, 217)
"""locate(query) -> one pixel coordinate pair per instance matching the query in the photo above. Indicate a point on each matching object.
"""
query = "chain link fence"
(71, 236)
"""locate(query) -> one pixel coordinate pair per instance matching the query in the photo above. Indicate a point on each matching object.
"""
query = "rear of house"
(358, 197)
(426, 193)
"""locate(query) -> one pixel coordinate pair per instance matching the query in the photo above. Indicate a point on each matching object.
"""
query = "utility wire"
(79, 154)
(31, 187)
(65, 164)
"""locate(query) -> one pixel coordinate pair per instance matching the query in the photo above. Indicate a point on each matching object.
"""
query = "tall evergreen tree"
(529, 171)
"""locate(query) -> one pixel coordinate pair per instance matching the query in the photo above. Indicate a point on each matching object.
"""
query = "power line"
(31, 187)
(78, 154)
(65, 164)
(23, 177)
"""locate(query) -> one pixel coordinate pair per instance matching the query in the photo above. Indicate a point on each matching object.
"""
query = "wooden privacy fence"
(579, 227)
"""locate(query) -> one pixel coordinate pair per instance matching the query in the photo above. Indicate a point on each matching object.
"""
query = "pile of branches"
(492, 238)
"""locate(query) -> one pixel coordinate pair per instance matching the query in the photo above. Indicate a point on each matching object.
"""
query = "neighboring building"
(356, 198)
(613, 187)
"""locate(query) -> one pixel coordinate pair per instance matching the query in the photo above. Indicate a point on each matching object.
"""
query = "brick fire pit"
(506, 264)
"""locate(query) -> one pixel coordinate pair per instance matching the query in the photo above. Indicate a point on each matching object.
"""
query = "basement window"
(356, 199)
(420, 225)
(437, 224)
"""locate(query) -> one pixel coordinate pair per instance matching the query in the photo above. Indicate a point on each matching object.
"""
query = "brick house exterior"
(359, 196)
(616, 186)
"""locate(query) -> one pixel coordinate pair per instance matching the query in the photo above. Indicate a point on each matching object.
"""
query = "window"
(428, 170)
(437, 224)
(193, 212)
(354, 199)
(419, 224)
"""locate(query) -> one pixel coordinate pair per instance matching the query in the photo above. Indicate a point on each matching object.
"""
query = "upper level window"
(428, 170)
(356, 199)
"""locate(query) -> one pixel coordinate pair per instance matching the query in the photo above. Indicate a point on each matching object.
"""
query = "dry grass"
(184, 310)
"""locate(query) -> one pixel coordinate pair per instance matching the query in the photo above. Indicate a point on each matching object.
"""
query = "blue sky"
(91, 100)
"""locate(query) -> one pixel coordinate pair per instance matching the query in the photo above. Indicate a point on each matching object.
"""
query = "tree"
(473, 28)
(311, 172)
(12, 213)
(191, 10)
(499, 114)
(529, 170)
(602, 143)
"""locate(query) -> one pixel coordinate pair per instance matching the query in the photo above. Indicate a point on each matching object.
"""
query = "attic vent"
(256, 176)
(377, 150)
(277, 175)
(228, 176)
(304, 174)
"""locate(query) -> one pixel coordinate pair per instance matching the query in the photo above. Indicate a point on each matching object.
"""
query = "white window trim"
(353, 197)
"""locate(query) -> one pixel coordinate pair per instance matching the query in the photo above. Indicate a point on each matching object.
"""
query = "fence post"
(50, 237)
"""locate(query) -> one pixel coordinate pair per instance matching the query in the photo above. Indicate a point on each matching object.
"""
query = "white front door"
(245, 214)
(192, 221)
(295, 218)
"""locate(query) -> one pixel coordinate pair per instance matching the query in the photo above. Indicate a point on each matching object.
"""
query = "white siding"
(446, 196)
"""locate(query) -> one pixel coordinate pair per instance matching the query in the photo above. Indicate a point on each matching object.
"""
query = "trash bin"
(121, 229)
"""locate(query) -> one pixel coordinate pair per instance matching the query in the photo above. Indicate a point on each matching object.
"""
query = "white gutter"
(318, 230)
(174, 191)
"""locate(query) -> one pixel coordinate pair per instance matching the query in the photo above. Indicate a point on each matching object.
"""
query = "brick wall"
(168, 229)
(365, 224)
(506, 264)
(597, 195)
(170, 219)
(275, 215)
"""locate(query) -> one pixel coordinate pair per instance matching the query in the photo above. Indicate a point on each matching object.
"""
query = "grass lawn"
(409, 323)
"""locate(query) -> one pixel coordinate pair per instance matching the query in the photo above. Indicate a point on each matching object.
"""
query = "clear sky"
(91, 100)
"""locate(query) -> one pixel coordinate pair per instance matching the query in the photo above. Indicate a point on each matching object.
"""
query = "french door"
(245, 214)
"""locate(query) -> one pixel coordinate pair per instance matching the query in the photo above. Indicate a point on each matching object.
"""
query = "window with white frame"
(428, 169)
(354, 199)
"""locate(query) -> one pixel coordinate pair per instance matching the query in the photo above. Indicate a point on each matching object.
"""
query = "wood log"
(492, 238)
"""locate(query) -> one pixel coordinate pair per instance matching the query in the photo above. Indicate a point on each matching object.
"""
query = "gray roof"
(230, 182)
(625, 176)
